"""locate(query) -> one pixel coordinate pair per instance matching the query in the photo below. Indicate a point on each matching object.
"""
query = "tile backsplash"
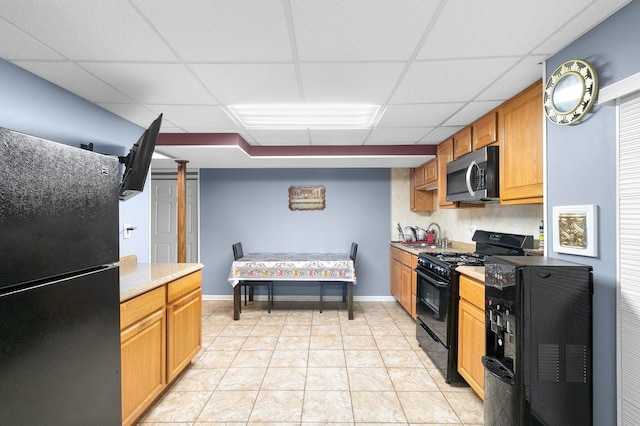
(457, 224)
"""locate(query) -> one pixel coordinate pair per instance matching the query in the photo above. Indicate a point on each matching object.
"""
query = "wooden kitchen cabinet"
(403, 279)
(419, 199)
(184, 331)
(520, 121)
(444, 155)
(471, 333)
(485, 130)
(431, 174)
(160, 333)
(143, 352)
(462, 142)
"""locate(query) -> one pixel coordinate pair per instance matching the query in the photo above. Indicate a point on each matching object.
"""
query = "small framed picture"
(574, 230)
(307, 197)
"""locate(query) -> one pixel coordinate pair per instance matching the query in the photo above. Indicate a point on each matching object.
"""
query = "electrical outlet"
(126, 232)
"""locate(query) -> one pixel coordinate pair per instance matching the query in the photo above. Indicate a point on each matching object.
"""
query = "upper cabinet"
(431, 174)
(485, 130)
(462, 142)
(444, 155)
(420, 200)
(521, 174)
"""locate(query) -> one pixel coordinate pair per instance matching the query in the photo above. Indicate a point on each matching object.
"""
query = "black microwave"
(473, 178)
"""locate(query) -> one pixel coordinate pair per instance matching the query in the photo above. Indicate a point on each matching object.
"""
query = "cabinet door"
(444, 155)
(431, 172)
(418, 176)
(405, 287)
(143, 364)
(471, 346)
(485, 130)
(521, 176)
(184, 336)
(462, 142)
(395, 275)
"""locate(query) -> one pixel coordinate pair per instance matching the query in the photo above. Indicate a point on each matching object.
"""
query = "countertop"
(476, 272)
(138, 278)
(416, 249)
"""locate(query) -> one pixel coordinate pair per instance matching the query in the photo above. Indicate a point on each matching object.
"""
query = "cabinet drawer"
(472, 291)
(402, 256)
(134, 309)
(184, 285)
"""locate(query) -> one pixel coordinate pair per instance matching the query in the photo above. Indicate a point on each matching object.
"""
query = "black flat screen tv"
(137, 162)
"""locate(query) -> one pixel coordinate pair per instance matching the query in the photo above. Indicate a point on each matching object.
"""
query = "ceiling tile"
(90, 30)
(152, 83)
(440, 134)
(250, 83)
(17, 45)
(221, 30)
(471, 112)
(397, 136)
(76, 80)
(135, 113)
(359, 29)
(449, 81)
(515, 29)
(516, 79)
(579, 24)
(349, 82)
(418, 115)
(338, 137)
(278, 137)
(195, 116)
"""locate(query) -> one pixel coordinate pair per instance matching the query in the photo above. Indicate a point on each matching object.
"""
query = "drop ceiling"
(434, 66)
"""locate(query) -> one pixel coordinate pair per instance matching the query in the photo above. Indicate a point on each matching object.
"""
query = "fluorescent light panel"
(304, 116)
(159, 156)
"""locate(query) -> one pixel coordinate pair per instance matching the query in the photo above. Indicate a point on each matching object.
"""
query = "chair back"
(237, 251)
(354, 251)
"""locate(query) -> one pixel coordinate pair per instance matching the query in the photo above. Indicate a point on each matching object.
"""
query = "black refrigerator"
(538, 323)
(59, 284)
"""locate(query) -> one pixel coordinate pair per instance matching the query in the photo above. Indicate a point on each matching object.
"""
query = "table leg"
(350, 300)
(236, 302)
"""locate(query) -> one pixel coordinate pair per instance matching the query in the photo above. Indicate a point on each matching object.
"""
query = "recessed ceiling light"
(304, 116)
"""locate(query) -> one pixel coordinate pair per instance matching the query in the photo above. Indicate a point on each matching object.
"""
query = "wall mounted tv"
(137, 162)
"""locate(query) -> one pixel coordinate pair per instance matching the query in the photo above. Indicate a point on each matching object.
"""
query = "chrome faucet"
(438, 231)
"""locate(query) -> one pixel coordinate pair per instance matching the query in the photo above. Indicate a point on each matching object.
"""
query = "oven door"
(432, 305)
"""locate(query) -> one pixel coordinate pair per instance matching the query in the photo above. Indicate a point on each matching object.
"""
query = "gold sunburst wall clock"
(570, 92)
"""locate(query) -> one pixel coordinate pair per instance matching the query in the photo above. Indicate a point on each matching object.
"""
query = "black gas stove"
(441, 264)
(437, 294)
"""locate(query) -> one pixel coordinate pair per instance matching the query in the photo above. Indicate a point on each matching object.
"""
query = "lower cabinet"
(160, 334)
(471, 333)
(184, 316)
(403, 279)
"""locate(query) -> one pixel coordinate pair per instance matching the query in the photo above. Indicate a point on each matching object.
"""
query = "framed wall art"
(307, 197)
(575, 231)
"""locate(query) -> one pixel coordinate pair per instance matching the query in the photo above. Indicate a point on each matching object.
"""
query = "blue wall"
(31, 105)
(581, 169)
(251, 206)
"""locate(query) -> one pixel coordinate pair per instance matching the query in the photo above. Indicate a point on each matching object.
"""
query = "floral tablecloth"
(293, 267)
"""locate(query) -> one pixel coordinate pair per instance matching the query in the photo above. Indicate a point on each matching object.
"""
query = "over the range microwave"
(473, 178)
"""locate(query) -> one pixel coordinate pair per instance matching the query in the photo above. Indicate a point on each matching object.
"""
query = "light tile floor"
(297, 366)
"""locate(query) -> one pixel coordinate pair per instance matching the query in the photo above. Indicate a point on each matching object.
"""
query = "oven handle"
(435, 283)
(430, 333)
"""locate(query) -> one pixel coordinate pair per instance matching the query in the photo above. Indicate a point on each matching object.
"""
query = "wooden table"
(337, 267)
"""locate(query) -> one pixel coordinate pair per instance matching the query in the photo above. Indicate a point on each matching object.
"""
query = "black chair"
(248, 285)
(352, 256)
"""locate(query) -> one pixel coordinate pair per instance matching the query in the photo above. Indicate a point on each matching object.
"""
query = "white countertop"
(141, 277)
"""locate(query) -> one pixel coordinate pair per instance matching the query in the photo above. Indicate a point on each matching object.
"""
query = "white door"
(164, 221)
